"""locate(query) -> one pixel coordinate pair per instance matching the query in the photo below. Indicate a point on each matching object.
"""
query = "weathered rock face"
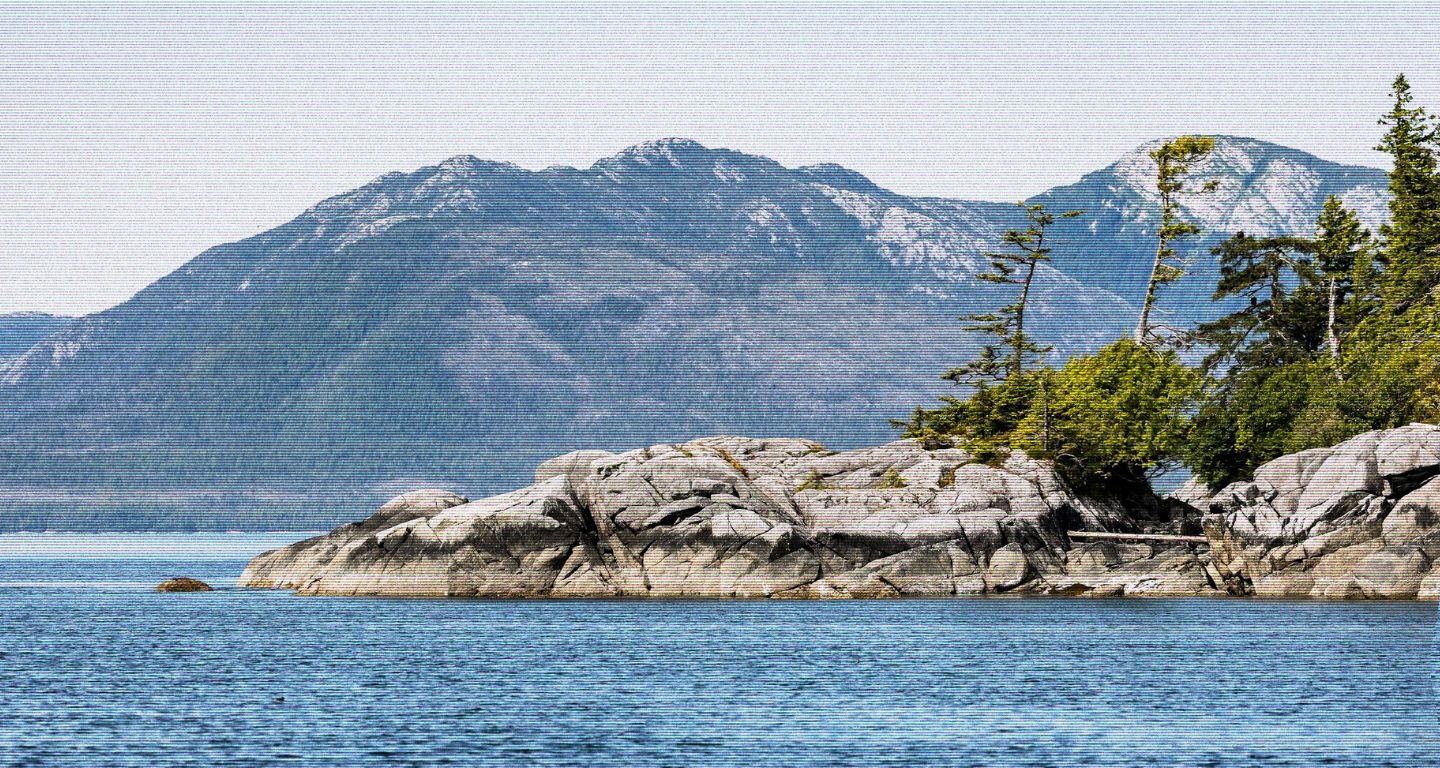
(739, 517)
(1357, 520)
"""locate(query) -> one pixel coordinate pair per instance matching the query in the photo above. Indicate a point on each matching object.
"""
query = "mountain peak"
(468, 315)
(461, 165)
(460, 162)
(1234, 154)
(686, 157)
(662, 153)
(1261, 187)
(667, 148)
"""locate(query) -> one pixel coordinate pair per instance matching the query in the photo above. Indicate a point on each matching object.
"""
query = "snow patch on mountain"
(907, 237)
(1262, 189)
(49, 354)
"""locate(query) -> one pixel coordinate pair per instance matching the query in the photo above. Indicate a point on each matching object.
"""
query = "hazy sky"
(132, 138)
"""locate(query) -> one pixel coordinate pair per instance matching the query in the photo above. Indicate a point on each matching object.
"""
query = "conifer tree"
(1412, 238)
(1172, 165)
(1342, 254)
(1283, 321)
(1013, 347)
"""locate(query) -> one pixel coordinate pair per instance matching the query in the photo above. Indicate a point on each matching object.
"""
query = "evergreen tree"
(1007, 325)
(1342, 254)
(1172, 164)
(1266, 352)
(1249, 417)
(1331, 337)
(1412, 238)
(1283, 321)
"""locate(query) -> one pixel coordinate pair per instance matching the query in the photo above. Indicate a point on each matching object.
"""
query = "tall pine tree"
(1172, 165)
(1013, 348)
(1412, 238)
(1343, 255)
(1283, 321)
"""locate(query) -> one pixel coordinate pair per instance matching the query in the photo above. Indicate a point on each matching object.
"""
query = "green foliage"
(1117, 414)
(1212, 452)
(1412, 237)
(991, 410)
(1393, 372)
(1281, 374)
(1283, 319)
(1331, 336)
(1260, 410)
(1246, 420)
(1345, 258)
(1339, 334)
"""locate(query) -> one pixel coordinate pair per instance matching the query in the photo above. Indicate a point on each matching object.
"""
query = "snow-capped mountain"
(455, 324)
(1262, 189)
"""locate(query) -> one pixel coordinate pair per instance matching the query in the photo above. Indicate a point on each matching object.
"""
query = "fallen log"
(1104, 536)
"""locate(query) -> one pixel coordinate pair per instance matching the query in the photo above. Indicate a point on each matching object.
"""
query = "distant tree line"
(1330, 335)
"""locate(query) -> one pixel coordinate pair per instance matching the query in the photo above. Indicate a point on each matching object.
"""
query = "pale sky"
(134, 137)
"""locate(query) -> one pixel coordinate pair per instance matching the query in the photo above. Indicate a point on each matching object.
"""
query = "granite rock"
(734, 517)
(1354, 520)
(719, 517)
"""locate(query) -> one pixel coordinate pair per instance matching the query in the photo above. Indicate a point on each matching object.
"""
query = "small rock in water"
(183, 584)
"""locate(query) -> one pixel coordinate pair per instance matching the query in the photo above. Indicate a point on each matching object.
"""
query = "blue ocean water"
(95, 669)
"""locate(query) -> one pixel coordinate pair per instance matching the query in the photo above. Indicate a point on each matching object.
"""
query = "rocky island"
(732, 517)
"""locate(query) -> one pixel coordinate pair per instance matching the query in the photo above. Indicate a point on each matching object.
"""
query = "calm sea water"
(95, 669)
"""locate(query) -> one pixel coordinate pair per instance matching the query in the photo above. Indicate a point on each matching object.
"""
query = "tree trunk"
(1142, 329)
(1332, 333)
(1017, 365)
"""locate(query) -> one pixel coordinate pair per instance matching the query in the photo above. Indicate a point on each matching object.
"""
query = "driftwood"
(1102, 536)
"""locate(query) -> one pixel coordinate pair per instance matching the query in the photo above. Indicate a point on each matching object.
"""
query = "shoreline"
(738, 518)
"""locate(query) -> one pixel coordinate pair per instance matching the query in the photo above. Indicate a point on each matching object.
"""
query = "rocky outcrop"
(183, 584)
(1357, 520)
(739, 517)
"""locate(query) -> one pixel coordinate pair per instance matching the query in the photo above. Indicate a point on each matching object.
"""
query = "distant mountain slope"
(454, 325)
(1264, 189)
(20, 331)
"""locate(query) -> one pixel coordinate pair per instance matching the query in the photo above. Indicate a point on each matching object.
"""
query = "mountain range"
(453, 325)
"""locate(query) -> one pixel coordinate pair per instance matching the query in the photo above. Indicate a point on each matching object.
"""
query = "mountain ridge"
(20, 331)
(465, 319)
